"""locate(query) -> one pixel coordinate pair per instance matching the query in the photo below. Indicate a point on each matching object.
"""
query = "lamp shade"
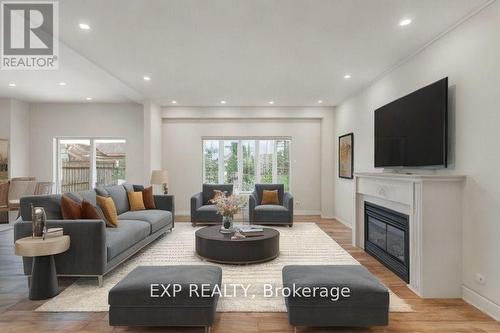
(159, 177)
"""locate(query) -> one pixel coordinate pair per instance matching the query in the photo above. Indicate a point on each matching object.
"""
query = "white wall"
(51, 120)
(152, 139)
(469, 56)
(14, 126)
(183, 129)
(19, 139)
(4, 118)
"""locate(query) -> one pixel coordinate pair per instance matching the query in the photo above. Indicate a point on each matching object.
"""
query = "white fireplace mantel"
(434, 205)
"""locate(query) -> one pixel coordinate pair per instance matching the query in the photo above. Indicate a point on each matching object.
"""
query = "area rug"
(304, 244)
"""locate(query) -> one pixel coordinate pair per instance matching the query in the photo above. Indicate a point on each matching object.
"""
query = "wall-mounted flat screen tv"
(412, 131)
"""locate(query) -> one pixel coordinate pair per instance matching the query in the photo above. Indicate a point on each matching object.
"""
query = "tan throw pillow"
(148, 198)
(270, 197)
(109, 210)
(135, 201)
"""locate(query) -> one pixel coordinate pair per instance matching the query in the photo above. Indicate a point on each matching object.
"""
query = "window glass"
(211, 161)
(74, 172)
(266, 151)
(248, 172)
(110, 162)
(283, 162)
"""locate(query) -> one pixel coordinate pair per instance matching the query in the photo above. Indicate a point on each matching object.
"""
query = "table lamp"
(160, 177)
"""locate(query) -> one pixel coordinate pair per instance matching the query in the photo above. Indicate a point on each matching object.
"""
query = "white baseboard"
(306, 212)
(482, 303)
(347, 224)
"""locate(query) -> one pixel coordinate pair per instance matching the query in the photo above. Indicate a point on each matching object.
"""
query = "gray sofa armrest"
(166, 202)
(87, 251)
(288, 203)
(196, 202)
(252, 202)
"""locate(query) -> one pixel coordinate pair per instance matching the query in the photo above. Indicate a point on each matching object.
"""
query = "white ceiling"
(246, 52)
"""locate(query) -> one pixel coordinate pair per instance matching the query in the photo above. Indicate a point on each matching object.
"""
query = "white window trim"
(240, 158)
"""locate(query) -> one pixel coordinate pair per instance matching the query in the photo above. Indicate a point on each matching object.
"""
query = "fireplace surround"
(387, 238)
(433, 204)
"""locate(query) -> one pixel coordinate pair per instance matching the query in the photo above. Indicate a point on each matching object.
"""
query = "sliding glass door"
(84, 163)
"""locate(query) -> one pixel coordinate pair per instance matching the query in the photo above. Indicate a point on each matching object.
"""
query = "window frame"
(57, 174)
(256, 140)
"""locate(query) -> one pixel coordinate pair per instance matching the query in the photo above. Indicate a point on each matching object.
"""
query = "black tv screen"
(412, 131)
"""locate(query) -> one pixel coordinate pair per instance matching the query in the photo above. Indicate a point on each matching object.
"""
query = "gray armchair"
(271, 214)
(202, 210)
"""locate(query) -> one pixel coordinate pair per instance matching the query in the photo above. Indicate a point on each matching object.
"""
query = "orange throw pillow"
(109, 210)
(135, 201)
(148, 198)
(70, 209)
(89, 212)
(270, 198)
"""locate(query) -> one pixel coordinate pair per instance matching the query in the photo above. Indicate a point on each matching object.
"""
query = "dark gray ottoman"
(367, 304)
(131, 302)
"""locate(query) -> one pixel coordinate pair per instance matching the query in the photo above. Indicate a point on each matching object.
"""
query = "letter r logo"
(28, 28)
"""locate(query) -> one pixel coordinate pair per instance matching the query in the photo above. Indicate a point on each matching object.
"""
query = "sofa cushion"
(207, 213)
(127, 234)
(207, 208)
(365, 289)
(208, 191)
(89, 196)
(270, 208)
(259, 188)
(107, 205)
(270, 197)
(271, 213)
(70, 209)
(148, 198)
(50, 203)
(156, 218)
(120, 198)
(134, 290)
(135, 201)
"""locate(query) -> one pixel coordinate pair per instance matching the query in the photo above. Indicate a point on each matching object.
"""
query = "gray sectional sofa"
(95, 249)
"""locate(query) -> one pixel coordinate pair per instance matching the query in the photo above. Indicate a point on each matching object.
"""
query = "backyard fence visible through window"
(83, 164)
(246, 161)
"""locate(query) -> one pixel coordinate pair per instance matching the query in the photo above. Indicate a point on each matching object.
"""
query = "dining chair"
(44, 188)
(4, 202)
(19, 188)
(23, 178)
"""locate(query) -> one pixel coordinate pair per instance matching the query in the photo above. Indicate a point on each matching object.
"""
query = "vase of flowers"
(227, 206)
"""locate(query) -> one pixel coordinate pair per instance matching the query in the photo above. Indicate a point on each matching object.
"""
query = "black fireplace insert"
(387, 238)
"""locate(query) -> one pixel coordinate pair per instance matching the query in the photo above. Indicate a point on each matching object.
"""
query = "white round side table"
(43, 272)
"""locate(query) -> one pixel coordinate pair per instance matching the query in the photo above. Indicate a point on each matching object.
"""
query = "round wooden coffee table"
(213, 246)
(43, 271)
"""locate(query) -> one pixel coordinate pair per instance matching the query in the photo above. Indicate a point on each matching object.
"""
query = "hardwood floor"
(449, 315)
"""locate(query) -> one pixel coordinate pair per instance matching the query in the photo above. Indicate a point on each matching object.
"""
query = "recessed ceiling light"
(404, 22)
(147, 78)
(12, 84)
(347, 76)
(89, 98)
(320, 102)
(271, 102)
(62, 83)
(84, 26)
(174, 102)
(223, 102)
